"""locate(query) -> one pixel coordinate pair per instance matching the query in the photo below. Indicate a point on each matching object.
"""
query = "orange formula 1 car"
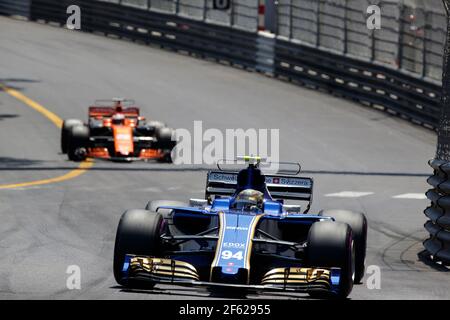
(118, 133)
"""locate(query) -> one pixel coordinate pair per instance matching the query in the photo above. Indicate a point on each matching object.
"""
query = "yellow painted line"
(82, 168)
(34, 105)
(57, 121)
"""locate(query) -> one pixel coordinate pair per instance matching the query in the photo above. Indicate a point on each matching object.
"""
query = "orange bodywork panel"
(150, 154)
(98, 152)
(123, 135)
(145, 154)
(123, 140)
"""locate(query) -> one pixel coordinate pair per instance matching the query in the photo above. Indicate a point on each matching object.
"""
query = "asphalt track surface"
(46, 228)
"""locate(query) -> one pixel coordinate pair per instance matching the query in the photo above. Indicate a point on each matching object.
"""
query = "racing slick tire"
(156, 125)
(65, 131)
(358, 222)
(164, 138)
(138, 233)
(166, 157)
(149, 128)
(78, 138)
(330, 244)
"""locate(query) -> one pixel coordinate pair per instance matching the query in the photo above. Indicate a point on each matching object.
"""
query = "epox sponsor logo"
(235, 245)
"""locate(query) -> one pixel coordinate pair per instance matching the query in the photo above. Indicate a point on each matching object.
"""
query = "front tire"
(330, 244)
(65, 132)
(166, 157)
(358, 222)
(164, 139)
(139, 233)
(78, 140)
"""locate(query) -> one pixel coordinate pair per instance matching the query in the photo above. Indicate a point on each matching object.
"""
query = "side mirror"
(198, 203)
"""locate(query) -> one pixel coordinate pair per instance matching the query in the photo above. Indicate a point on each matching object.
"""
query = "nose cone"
(231, 262)
(228, 275)
(123, 140)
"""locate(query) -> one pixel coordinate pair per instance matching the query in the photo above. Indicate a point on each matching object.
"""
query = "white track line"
(418, 196)
(348, 194)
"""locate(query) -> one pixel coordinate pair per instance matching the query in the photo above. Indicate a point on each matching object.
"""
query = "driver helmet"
(249, 199)
(118, 106)
(118, 119)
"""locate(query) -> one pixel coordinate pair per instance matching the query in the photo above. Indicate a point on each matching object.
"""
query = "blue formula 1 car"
(243, 237)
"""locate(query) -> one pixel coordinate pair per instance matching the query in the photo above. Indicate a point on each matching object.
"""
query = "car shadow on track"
(176, 168)
(11, 82)
(203, 293)
(185, 292)
(8, 116)
(10, 163)
(59, 168)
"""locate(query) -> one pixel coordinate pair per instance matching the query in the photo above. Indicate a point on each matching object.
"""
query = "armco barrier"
(170, 31)
(15, 7)
(411, 37)
(406, 95)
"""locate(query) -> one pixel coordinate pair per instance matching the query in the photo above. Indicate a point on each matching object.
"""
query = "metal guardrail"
(175, 32)
(443, 145)
(243, 14)
(368, 82)
(15, 7)
(411, 37)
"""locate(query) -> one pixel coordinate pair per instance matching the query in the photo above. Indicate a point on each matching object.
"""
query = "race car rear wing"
(99, 111)
(280, 187)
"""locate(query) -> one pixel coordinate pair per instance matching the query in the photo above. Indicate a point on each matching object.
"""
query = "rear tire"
(358, 222)
(138, 233)
(78, 138)
(330, 244)
(166, 157)
(65, 131)
(164, 139)
(149, 128)
(156, 125)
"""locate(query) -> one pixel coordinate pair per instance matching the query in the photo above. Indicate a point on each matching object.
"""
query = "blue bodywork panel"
(237, 228)
(223, 243)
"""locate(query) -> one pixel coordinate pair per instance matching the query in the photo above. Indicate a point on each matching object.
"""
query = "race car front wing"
(169, 271)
